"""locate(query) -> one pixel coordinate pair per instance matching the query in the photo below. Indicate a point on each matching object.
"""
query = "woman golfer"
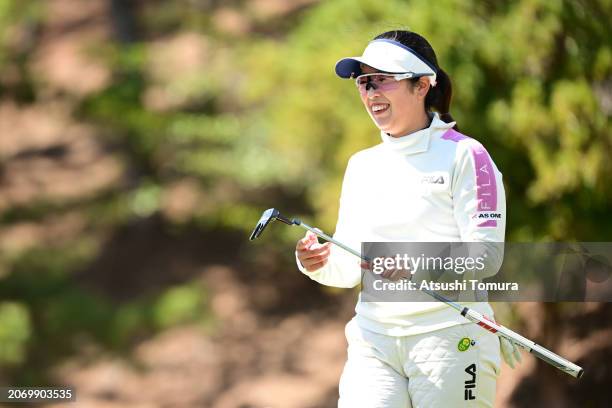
(425, 182)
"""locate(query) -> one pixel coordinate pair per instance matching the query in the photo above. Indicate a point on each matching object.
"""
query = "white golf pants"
(453, 367)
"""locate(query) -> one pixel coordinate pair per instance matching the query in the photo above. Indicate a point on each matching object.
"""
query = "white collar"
(416, 142)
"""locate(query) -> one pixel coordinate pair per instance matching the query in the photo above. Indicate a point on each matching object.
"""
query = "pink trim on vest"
(452, 134)
(486, 187)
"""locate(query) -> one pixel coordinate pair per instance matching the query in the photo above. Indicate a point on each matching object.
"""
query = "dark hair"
(438, 97)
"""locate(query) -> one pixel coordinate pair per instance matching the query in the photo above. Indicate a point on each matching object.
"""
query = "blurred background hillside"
(140, 140)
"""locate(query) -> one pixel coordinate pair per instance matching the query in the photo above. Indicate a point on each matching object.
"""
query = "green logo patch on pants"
(465, 344)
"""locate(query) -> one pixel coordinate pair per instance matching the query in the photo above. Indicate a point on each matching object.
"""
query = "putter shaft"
(326, 237)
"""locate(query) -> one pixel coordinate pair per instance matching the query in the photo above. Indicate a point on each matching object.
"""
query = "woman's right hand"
(310, 253)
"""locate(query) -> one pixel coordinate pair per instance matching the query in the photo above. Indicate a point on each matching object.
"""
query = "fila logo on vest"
(438, 180)
(432, 179)
(470, 383)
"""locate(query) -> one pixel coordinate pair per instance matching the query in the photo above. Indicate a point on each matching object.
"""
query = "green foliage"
(26, 13)
(178, 304)
(15, 331)
(145, 200)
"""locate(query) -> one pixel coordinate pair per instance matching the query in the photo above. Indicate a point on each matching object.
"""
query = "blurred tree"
(124, 14)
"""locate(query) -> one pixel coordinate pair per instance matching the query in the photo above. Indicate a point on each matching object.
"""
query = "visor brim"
(348, 67)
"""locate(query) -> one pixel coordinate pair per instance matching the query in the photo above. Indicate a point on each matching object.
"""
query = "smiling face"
(399, 110)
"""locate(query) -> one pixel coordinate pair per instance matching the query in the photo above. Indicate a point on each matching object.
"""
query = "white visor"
(387, 56)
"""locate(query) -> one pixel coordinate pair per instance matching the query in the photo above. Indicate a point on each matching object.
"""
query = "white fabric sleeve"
(479, 205)
(343, 269)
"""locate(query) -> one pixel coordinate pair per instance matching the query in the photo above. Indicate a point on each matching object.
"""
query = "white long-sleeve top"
(433, 185)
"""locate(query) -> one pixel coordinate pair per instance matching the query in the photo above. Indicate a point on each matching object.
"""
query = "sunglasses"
(382, 82)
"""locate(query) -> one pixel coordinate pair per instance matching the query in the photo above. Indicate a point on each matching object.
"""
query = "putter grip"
(556, 361)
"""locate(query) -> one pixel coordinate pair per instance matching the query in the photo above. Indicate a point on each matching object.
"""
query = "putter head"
(268, 216)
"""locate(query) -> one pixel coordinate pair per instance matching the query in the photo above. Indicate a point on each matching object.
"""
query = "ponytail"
(439, 97)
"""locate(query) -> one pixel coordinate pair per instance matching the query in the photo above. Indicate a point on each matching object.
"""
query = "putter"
(272, 214)
(485, 322)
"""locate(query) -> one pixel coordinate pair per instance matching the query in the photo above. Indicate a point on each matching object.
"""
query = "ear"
(422, 87)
